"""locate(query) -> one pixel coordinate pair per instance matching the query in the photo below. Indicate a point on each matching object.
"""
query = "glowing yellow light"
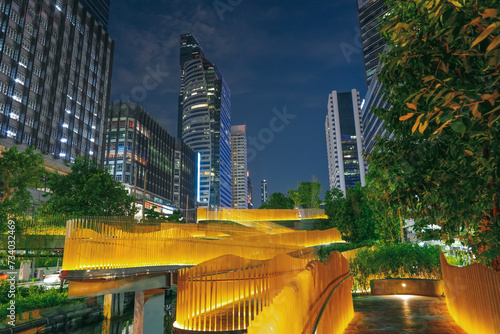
(199, 106)
(405, 297)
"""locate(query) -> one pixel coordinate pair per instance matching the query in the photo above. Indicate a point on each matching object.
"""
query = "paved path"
(401, 314)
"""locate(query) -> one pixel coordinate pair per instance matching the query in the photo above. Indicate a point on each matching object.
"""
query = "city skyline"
(279, 74)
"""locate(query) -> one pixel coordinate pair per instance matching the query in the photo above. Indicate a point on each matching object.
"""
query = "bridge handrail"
(325, 304)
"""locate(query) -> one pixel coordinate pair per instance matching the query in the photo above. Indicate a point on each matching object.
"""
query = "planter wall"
(421, 287)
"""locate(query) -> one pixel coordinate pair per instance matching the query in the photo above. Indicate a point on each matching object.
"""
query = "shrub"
(323, 252)
(34, 297)
(397, 261)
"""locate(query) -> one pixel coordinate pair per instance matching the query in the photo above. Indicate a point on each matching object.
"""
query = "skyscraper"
(264, 196)
(185, 169)
(344, 140)
(55, 77)
(205, 122)
(250, 188)
(140, 153)
(189, 50)
(239, 166)
(372, 125)
(369, 11)
(99, 9)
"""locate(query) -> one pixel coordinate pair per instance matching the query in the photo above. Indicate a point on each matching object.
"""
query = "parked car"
(52, 279)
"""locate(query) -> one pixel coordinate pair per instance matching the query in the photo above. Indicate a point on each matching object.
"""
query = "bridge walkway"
(401, 314)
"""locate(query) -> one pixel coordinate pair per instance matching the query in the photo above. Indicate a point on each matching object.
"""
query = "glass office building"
(99, 9)
(205, 123)
(140, 152)
(55, 76)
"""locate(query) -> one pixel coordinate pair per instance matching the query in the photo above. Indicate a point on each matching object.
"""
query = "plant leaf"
(407, 116)
(417, 122)
(489, 12)
(485, 33)
(475, 110)
(493, 44)
(442, 127)
(412, 106)
(422, 127)
(458, 126)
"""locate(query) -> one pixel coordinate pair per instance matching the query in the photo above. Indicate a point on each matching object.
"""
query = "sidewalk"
(401, 314)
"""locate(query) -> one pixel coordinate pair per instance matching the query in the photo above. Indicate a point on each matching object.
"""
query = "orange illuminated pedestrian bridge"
(247, 215)
(229, 277)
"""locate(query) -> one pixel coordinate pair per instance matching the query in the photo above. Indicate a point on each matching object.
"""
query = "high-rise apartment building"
(205, 123)
(264, 196)
(239, 163)
(344, 140)
(141, 154)
(55, 76)
(369, 11)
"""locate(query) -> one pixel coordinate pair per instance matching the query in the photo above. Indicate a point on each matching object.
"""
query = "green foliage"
(306, 195)
(441, 74)
(323, 252)
(152, 215)
(33, 297)
(351, 214)
(395, 261)
(278, 201)
(19, 171)
(309, 193)
(88, 191)
(176, 216)
(294, 195)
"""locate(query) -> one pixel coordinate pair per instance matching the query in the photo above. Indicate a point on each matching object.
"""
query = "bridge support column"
(149, 306)
(113, 305)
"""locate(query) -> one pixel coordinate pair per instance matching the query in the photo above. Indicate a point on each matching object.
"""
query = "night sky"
(275, 55)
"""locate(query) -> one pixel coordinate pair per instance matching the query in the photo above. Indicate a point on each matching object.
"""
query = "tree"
(88, 191)
(441, 74)
(387, 215)
(176, 216)
(19, 171)
(351, 214)
(294, 195)
(309, 193)
(152, 214)
(278, 201)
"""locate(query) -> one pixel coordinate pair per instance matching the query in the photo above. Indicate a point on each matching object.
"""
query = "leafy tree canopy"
(278, 201)
(351, 214)
(309, 193)
(441, 74)
(19, 171)
(88, 191)
(151, 214)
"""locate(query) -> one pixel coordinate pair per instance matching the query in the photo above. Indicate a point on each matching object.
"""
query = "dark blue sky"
(273, 55)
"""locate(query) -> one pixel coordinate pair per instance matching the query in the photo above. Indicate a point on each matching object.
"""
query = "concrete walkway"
(402, 314)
